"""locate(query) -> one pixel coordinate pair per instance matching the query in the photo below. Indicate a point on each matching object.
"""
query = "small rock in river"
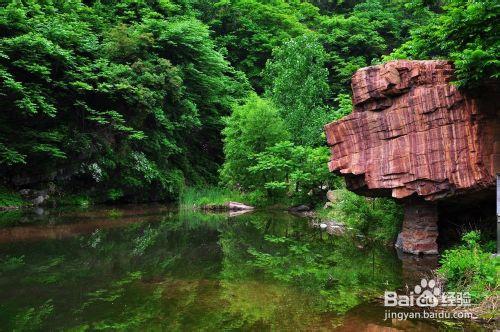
(40, 199)
(235, 206)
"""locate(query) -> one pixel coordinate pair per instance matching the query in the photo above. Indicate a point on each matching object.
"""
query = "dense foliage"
(126, 100)
(465, 32)
(249, 130)
(126, 96)
(260, 159)
(375, 218)
(470, 268)
(298, 85)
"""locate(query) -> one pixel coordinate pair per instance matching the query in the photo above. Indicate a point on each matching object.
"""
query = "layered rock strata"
(420, 230)
(413, 134)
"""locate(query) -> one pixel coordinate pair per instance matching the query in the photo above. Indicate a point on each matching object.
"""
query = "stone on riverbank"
(228, 206)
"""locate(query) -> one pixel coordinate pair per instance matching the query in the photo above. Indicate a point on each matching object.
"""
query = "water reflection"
(152, 268)
(415, 267)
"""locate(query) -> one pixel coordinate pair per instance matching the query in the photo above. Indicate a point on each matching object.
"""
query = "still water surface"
(152, 268)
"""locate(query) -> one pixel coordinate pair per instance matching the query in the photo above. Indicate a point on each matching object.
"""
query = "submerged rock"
(300, 208)
(24, 192)
(399, 241)
(37, 197)
(238, 212)
(331, 227)
(40, 199)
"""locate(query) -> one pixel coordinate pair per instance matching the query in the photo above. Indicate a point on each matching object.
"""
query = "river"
(150, 267)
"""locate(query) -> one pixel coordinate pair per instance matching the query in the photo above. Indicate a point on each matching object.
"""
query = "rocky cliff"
(413, 134)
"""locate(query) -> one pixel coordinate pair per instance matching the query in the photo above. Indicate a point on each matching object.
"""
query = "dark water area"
(156, 269)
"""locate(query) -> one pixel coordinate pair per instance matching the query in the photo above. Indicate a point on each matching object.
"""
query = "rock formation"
(413, 134)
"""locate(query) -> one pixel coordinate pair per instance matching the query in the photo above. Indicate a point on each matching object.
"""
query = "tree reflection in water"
(152, 268)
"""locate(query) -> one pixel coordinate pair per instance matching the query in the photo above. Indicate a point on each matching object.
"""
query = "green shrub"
(195, 197)
(376, 218)
(75, 200)
(468, 268)
(10, 217)
(247, 134)
(10, 199)
(256, 198)
(115, 194)
(289, 173)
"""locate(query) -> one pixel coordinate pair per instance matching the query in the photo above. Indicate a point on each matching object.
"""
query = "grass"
(470, 268)
(196, 197)
(10, 199)
(74, 200)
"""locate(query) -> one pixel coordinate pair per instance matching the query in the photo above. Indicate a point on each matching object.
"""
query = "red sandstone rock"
(420, 229)
(412, 132)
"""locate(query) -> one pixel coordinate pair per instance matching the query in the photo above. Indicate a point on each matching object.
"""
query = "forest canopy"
(129, 99)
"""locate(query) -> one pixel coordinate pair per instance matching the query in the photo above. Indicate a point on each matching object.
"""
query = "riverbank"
(10, 200)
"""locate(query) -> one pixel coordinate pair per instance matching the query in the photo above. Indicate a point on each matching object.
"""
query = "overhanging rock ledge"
(416, 137)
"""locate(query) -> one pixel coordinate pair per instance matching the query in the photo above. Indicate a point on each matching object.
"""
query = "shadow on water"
(149, 267)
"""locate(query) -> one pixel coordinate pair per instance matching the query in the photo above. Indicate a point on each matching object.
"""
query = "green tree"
(251, 128)
(272, 168)
(119, 96)
(250, 29)
(298, 85)
(285, 170)
(465, 32)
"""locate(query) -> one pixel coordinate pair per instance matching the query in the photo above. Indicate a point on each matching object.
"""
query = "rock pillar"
(420, 229)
